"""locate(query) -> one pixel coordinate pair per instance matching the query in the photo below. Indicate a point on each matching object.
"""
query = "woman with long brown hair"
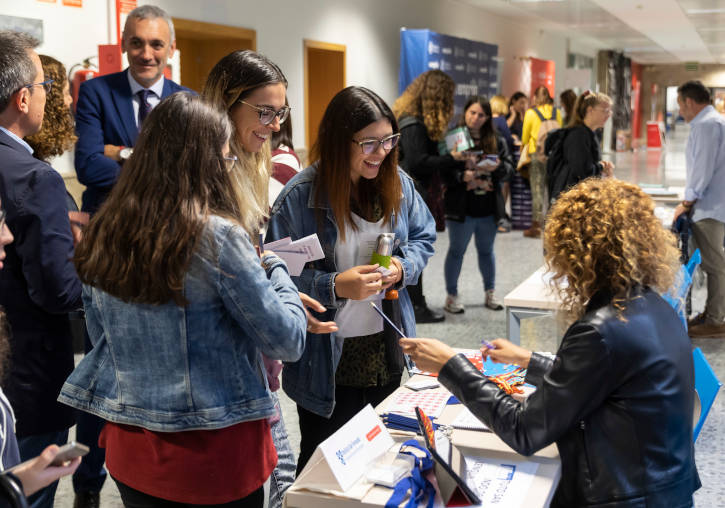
(352, 194)
(180, 310)
(618, 397)
(424, 111)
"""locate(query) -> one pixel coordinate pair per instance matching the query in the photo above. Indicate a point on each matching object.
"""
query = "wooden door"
(324, 77)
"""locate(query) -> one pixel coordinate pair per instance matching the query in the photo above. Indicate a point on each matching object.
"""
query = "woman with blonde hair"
(581, 156)
(424, 111)
(618, 398)
(543, 114)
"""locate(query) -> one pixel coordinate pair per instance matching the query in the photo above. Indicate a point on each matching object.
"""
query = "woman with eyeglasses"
(580, 155)
(353, 193)
(252, 90)
(179, 318)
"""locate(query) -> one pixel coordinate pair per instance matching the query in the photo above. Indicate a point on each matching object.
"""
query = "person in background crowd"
(474, 205)
(499, 109)
(192, 280)
(252, 90)
(38, 286)
(286, 163)
(350, 195)
(542, 113)
(518, 104)
(618, 398)
(581, 155)
(567, 98)
(704, 201)
(423, 111)
(37, 473)
(111, 108)
(55, 137)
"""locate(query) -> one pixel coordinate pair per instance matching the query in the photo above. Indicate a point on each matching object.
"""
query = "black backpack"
(557, 170)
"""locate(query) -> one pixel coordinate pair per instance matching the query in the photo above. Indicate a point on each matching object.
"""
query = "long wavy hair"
(140, 243)
(232, 79)
(602, 236)
(487, 132)
(350, 111)
(430, 98)
(585, 101)
(57, 134)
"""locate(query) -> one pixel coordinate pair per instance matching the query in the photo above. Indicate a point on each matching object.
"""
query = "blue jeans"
(90, 475)
(283, 474)
(32, 446)
(459, 234)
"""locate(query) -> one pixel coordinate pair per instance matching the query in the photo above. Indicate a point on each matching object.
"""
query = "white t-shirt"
(357, 318)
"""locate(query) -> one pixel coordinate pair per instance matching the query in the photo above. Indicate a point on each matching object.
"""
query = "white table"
(532, 298)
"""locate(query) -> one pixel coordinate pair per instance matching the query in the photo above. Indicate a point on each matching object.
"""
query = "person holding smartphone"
(474, 203)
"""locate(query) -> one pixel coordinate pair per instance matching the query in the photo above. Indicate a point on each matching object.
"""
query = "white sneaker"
(491, 301)
(453, 305)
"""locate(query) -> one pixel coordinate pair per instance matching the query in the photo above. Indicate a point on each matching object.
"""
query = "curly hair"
(57, 134)
(430, 98)
(602, 235)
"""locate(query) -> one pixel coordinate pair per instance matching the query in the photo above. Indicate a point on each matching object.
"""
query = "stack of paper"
(432, 403)
(297, 253)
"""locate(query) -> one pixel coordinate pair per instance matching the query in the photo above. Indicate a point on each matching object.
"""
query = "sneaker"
(491, 301)
(453, 305)
(697, 320)
(707, 330)
(424, 314)
(504, 225)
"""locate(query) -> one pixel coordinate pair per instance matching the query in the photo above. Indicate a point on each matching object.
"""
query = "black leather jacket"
(617, 400)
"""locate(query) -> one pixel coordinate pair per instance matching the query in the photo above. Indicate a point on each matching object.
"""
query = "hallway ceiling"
(648, 31)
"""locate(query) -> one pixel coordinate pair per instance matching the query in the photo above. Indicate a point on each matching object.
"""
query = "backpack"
(557, 170)
(547, 126)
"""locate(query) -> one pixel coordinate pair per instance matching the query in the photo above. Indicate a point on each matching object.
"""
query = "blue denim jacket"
(310, 381)
(168, 368)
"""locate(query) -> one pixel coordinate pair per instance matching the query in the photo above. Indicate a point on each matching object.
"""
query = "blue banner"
(471, 64)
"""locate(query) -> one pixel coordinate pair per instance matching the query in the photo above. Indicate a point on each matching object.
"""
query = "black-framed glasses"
(266, 115)
(230, 160)
(47, 84)
(369, 146)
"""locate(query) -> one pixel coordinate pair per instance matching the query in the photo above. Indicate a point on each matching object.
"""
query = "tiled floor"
(517, 257)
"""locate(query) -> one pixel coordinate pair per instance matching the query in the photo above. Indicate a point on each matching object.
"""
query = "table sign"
(343, 458)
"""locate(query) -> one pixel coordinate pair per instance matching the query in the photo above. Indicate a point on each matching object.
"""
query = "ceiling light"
(706, 11)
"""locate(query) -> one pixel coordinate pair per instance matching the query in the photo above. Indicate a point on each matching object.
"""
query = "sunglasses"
(266, 115)
(369, 146)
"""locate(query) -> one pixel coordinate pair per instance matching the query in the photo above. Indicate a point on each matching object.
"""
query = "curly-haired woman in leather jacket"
(618, 397)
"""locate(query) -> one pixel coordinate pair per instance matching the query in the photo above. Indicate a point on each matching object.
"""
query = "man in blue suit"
(38, 285)
(111, 108)
(109, 114)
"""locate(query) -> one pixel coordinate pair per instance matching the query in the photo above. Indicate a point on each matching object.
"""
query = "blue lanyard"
(417, 484)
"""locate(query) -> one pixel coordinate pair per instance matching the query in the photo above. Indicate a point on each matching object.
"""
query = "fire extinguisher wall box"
(109, 59)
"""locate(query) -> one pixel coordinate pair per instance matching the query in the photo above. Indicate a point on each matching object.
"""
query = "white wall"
(370, 30)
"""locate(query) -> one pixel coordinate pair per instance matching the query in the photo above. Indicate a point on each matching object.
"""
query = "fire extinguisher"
(79, 76)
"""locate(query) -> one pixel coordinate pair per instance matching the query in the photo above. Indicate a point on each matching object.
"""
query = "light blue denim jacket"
(310, 381)
(168, 368)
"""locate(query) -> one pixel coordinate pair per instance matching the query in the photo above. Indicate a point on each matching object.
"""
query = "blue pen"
(408, 362)
(487, 344)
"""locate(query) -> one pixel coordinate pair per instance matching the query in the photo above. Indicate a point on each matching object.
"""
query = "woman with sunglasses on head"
(179, 318)
(353, 193)
(580, 156)
(474, 204)
(252, 90)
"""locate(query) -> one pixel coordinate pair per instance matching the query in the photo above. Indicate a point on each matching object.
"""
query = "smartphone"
(69, 451)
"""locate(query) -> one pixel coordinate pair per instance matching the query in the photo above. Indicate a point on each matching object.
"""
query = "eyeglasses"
(230, 160)
(266, 115)
(47, 84)
(3, 214)
(371, 145)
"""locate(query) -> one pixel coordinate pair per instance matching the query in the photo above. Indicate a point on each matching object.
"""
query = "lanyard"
(417, 484)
